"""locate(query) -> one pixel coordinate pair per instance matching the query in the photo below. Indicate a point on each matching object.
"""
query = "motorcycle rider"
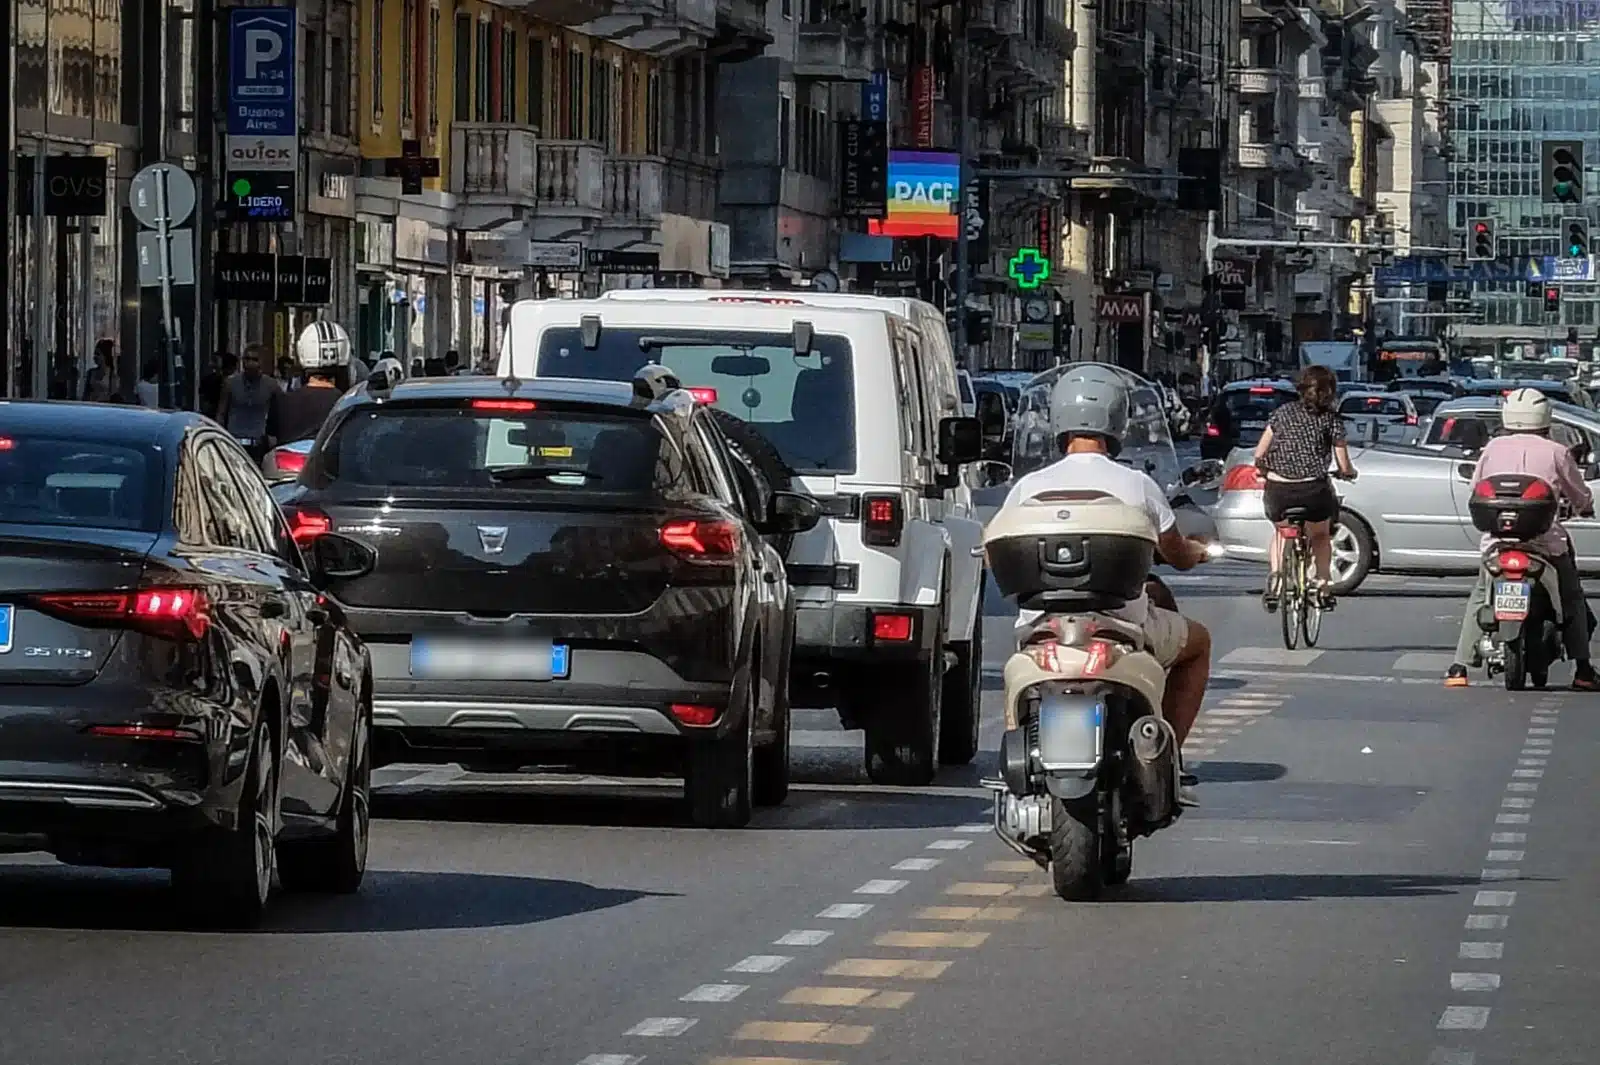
(323, 351)
(1525, 447)
(1088, 419)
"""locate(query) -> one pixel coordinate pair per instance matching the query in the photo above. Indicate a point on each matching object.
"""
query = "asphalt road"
(1382, 871)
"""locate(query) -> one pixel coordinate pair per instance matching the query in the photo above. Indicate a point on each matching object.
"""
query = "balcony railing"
(633, 195)
(1313, 88)
(1258, 81)
(690, 186)
(1062, 141)
(834, 51)
(494, 160)
(571, 175)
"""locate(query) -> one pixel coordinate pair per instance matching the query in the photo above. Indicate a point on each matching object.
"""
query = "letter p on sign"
(260, 47)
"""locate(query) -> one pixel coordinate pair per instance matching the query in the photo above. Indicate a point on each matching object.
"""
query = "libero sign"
(258, 153)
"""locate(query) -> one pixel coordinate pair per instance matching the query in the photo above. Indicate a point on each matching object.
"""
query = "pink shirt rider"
(1541, 457)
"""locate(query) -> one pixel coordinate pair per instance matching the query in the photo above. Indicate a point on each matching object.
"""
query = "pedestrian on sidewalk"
(149, 387)
(247, 400)
(100, 383)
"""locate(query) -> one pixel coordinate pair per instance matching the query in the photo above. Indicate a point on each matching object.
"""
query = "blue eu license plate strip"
(7, 613)
(560, 662)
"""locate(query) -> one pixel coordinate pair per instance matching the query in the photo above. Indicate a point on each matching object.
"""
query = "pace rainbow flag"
(924, 196)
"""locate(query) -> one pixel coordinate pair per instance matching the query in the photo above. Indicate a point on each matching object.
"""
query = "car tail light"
(307, 523)
(1212, 430)
(6, 443)
(1101, 654)
(1513, 562)
(146, 732)
(505, 406)
(1411, 419)
(175, 613)
(694, 714)
(290, 460)
(701, 541)
(769, 301)
(892, 628)
(704, 395)
(882, 520)
(1261, 390)
(1244, 478)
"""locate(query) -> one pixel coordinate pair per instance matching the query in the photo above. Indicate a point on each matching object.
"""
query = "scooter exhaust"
(1154, 767)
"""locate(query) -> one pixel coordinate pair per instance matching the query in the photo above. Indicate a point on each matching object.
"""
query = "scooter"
(1522, 620)
(1087, 763)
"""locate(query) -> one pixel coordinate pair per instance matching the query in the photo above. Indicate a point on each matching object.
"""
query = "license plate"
(1511, 600)
(1253, 425)
(6, 613)
(450, 658)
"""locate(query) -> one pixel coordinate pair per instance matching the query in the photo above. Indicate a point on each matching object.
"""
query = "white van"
(888, 593)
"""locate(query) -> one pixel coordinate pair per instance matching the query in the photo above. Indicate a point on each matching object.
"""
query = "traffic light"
(1480, 240)
(1552, 299)
(1563, 172)
(1577, 237)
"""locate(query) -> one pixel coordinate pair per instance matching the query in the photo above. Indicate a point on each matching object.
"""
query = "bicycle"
(1299, 606)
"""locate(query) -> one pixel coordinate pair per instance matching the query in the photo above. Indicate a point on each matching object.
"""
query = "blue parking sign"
(261, 100)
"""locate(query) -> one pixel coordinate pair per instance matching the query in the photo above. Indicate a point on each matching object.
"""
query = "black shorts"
(1316, 498)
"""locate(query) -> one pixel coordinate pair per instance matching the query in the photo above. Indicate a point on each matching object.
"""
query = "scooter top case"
(1070, 552)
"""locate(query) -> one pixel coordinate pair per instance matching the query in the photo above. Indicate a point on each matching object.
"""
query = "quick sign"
(262, 153)
(261, 99)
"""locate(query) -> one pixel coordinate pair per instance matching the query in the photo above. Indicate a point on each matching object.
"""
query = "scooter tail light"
(1536, 490)
(1513, 562)
(1101, 654)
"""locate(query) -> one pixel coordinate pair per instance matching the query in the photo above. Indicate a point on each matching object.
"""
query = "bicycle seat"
(1294, 515)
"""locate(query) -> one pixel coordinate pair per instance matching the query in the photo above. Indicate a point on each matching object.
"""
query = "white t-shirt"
(149, 393)
(1088, 471)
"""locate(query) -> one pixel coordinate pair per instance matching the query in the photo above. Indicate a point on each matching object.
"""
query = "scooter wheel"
(1076, 867)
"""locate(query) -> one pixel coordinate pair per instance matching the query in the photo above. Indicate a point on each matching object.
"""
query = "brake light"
(694, 714)
(1261, 390)
(289, 460)
(1536, 490)
(1212, 430)
(308, 523)
(701, 541)
(1513, 562)
(755, 299)
(1411, 419)
(882, 520)
(505, 406)
(1101, 655)
(146, 732)
(6, 443)
(1244, 478)
(1373, 401)
(704, 395)
(175, 613)
(891, 628)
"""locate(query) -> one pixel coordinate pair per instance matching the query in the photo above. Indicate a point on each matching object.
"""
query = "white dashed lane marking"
(914, 865)
(1464, 1018)
(1474, 981)
(951, 844)
(802, 937)
(881, 887)
(760, 963)
(662, 1027)
(846, 911)
(715, 993)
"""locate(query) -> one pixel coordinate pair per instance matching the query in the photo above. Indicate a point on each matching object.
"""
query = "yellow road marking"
(979, 889)
(968, 913)
(1032, 891)
(769, 1061)
(865, 997)
(888, 968)
(1017, 866)
(845, 1035)
(923, 940)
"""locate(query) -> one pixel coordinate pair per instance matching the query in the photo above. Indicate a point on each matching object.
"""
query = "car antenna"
(511, 382)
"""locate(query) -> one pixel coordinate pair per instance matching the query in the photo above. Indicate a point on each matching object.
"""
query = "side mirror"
(334, 557)
(960, 441)
(790, 512)
(996, 473)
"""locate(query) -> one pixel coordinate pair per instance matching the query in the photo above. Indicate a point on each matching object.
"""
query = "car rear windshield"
(1372, 405)
(492, 445)
(1252, 404)
(1425, 402)
(53, 480)
(803, 405)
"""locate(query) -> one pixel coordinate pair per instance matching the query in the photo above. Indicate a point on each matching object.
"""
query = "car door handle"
(273, 608)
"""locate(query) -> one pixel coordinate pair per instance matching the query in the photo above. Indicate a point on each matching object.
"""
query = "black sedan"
(175, 691)
(573, 575)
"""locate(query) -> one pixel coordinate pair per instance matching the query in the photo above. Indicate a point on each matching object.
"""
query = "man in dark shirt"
(324, 355)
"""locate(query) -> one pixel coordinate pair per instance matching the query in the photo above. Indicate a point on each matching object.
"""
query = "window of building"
(408, 62)
(508, 75)
(316, 81)
(375, 65)
(573, 127)
(600, 89)
(463, 107)
(1266, 205)
(481, 82)
(536, 88)
(433, 70)
(785, 130)
(339, 108)
(652, 114)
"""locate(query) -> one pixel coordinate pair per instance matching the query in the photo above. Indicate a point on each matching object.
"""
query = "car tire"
(337, 865)
(961, 708)
(225, 876)
(719, 779)
(759, 454)
(771, 784)
(1351, 533)
(904, 726)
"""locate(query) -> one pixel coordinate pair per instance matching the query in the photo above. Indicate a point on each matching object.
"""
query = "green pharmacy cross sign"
(1029, 269)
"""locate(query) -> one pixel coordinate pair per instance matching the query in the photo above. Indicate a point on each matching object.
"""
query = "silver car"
(1407, 511)
(1372, 417)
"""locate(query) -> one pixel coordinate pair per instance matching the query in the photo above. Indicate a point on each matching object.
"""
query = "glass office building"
(1522, 72)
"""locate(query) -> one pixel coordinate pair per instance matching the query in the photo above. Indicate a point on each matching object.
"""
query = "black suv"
(574, 575)
(1239, 415)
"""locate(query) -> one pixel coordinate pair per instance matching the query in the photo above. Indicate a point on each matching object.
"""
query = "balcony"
(835, 52)
(690, 186)
(633, 192)
(571, 13)
(1256, 155)
(1059, 38)
(503, 171)
(1027, 69)
(662, 28)
(1313, 152)
(1258, 81)
(1312, 88)
(741, 30)
(1062, 142)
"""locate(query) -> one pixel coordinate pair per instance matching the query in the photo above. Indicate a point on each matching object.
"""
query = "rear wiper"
(529, 473)
(649, 343)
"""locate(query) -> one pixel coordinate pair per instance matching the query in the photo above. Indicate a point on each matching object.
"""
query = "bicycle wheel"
(1311, 603)
(1291, 595)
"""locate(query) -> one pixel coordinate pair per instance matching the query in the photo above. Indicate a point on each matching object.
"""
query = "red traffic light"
(1552, 294)
(1481, 228)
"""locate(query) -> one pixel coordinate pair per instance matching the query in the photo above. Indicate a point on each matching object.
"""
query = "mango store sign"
(924, 196)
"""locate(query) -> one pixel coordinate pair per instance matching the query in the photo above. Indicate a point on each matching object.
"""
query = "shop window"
(375, 65)
(463, 68)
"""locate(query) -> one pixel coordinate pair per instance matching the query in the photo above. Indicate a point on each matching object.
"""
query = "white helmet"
(322, 346)
(1527, 410)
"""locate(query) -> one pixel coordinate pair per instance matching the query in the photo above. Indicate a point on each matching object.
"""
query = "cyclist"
(1301, 439)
